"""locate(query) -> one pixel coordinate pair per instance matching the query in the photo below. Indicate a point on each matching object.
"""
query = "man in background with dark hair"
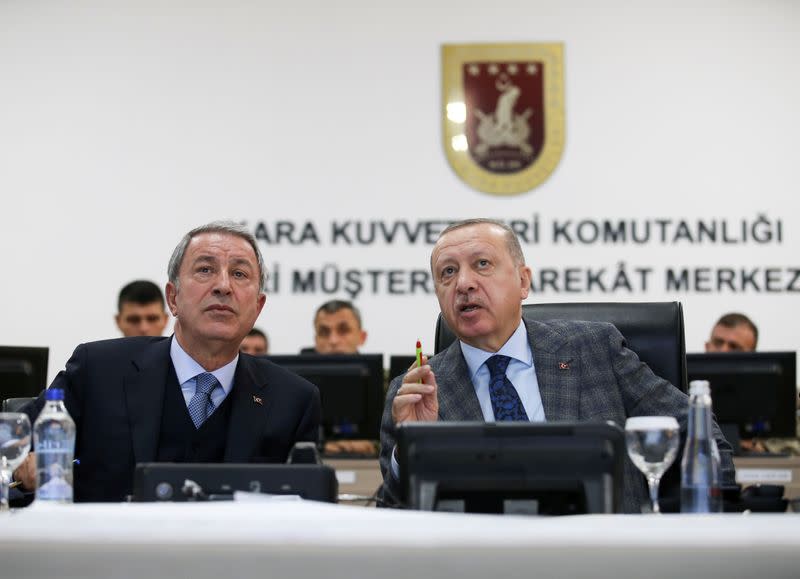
(255, 343)
(140, 310)
(337, 329)
(733, 332)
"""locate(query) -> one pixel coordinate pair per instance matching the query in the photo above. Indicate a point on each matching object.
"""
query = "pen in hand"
(419, 356)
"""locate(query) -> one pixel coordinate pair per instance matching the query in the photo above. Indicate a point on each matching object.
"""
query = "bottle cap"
(699, 387)
(54, 394)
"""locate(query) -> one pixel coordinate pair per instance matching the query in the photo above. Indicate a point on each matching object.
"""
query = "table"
(298, 539)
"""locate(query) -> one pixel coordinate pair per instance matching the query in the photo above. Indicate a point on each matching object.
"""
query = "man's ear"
(171, 292)
(262, 299)
(525, 281)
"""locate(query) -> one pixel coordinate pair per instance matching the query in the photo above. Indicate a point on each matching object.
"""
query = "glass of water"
(652, 445)
(15, 444)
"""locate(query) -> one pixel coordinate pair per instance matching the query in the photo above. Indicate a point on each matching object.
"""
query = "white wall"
(123, 124)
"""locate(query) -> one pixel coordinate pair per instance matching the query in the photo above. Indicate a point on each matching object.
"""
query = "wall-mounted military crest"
(503, 109)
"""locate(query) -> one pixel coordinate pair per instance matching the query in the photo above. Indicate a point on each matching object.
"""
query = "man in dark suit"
(505, 368)
(191, 397)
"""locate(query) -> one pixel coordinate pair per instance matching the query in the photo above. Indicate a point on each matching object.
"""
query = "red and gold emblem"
(503, 114)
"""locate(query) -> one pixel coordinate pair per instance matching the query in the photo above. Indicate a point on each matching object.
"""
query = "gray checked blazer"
(585, 373)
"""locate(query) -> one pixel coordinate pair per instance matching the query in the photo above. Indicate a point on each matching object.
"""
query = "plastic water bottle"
(700, 468)
(54, 444)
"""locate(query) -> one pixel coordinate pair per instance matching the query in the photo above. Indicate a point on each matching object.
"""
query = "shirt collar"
(516, 347)
(187, 368)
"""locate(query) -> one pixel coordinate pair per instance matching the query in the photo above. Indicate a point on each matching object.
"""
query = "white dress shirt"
(187, 370)
(520, 372)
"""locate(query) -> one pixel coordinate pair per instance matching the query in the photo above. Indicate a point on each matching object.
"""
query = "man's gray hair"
(224, 226)
(514, 248)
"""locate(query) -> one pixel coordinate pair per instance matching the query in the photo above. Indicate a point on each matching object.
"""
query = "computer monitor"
(399, 365)
(512, 467)
(350, 388)
(755, 391)
(23, 371)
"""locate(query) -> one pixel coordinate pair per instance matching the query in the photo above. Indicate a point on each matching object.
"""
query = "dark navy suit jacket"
(114, 390)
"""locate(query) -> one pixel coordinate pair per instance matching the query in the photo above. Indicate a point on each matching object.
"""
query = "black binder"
(166, 481)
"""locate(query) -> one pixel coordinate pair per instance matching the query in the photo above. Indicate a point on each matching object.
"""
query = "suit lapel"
(557, 371)
(246, 426)
(144, 396)
(457, 398)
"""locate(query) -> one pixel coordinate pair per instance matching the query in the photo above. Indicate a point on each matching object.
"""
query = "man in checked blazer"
(554, 371)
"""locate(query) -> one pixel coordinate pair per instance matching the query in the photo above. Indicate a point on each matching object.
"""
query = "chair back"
(654, 330)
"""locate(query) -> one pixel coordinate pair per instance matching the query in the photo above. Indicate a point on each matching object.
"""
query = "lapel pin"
(258, 401)
(563, 365)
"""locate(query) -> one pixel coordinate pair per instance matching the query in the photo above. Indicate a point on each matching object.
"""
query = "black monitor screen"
(753, 390)
(512, 467)
(350, 388)
(399, 365)
(23, 371)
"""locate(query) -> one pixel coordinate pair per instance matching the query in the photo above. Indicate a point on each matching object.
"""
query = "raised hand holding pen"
(419, 355)
(416, 399)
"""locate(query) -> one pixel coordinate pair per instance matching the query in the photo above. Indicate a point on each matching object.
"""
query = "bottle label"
(53, 449)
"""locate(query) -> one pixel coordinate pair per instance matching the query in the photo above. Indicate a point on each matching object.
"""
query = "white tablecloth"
(305, 539)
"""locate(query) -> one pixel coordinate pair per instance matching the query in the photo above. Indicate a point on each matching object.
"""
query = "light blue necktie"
(200, 406)
(505, 400)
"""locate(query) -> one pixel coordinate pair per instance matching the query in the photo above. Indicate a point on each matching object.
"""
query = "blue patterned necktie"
(201, 406)
(505, 400)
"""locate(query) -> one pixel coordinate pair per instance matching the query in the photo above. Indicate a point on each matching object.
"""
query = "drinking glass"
(15, 444)
(652, 445)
